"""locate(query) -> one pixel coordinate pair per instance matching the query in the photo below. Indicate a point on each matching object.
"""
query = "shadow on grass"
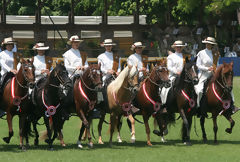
(116, 146)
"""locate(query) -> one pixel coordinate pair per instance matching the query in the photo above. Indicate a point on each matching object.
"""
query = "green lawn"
(173, 150)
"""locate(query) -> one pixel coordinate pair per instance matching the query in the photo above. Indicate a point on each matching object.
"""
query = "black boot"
(2, 113)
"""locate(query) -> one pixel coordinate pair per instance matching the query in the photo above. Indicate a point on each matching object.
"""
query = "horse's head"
(59, 75)
(95, 75)
(160, 75)
(133, 81)
(227, 75)
(190, 72)
(28, 72)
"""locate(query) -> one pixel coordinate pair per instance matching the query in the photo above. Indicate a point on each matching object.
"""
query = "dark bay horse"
(47, 103)
(218, 99)
(120, 94)
(182, 97)
(85, 98)
(148, 99)
(15, 100)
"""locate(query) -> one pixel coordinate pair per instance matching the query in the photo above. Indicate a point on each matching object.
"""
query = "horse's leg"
(112, 127)
(36, 141)
(60, 134)
(147, 128)
(49, 133)
(21, 131)
(133, 138)
(185, 123)
(232, 123)
(119, 126)
(90, 144)
(100, 123)
(158, 120)
(80, 136)
(204, 135)
(215, 128)
(10, 129)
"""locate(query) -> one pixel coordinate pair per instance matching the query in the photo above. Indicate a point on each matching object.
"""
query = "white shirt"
(106, 61)
(73, 59)
(204, 59)
(174, 63)
(6, 60)
(136, 59)
(39, 64)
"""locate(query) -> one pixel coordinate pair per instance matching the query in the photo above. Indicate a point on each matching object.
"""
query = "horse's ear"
(22, 60)
(186, 59)
(99, 66)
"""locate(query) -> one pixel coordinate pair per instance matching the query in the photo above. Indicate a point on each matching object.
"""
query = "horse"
(148, 99)
(15, 100)
(85, 98)
(46, 102)
(120, 94)
(217, 99)
(182, 98)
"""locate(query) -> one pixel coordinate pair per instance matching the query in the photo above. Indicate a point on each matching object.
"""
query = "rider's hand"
(110, 71)
(80, 68)
(14, 71)
(47, 71)
(178, 73)
(210, 68)
(143, 69)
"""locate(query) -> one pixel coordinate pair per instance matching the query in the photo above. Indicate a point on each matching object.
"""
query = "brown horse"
(218, 99)
(148, 99)
(120, 93)
(15, 100)
(85, 98)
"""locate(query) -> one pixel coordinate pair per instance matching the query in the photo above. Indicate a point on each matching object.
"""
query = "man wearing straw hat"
(110, 62)
(42, 63)
(138, 59)
(9, 62)
(74, 60)
(174, 65)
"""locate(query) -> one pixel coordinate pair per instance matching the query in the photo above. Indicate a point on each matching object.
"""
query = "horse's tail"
(44, 135)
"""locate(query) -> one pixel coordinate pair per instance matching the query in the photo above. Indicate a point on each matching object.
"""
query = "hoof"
(47, 141)
(51, 149)
(36, 142)
(100, 142)
(63, 144)
(119, 140)
(149, 143)
(133, 139)
(228, 130)
(163, 139)
(79, 145)
(215, 142)
(204, 140)
(90, 145)
(187, 143)
(6, 139)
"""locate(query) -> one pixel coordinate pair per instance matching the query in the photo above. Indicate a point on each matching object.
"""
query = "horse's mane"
(117, 83)
(217, 73)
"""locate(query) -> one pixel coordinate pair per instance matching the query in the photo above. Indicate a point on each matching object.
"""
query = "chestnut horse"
(148, 99)
(120, 94)
(15, 100)
(47, 103)
(182, 97)
(218, 99)
(85, 98)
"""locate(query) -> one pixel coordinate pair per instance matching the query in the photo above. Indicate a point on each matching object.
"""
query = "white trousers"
(164, 91)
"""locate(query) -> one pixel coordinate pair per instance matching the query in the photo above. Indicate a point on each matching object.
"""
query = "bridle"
(163, 83)
(188, 76)
(224, 85)
(60, 79)
(29, 66)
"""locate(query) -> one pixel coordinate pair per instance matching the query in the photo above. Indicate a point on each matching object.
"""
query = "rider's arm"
(86, 64)
(199, 63)
(4, 65)
(67, 64)
(170, 66)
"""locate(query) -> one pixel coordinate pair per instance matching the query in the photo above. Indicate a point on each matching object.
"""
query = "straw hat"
(108, 42)
(137, 44)
(8, 40)
(74, 38)
(178, 43)
(209, 40)
(40, 46)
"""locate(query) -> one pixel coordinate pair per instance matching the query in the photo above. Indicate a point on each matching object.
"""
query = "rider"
(139, 60)
(175, 67)
(74, 60)
(9, 63)
(42, 63)
(205, 66)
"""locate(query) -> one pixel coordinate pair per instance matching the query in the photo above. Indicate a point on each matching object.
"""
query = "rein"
(90, 103)
(156, 105)
(16, 99)
(50, 110)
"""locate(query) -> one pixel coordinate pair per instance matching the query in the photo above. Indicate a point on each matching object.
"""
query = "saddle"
(5, 79)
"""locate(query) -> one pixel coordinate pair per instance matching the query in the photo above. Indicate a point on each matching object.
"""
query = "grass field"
(173, 150)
